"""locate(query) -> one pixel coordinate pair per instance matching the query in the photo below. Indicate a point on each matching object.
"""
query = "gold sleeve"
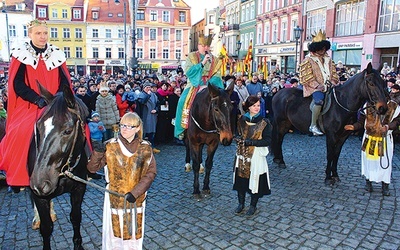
(306, 72)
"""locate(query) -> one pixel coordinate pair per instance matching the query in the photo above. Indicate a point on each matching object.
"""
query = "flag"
(223, 55)
(265, 68)
(249, 58)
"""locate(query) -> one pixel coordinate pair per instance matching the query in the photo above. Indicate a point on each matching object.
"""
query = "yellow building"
(67, 30)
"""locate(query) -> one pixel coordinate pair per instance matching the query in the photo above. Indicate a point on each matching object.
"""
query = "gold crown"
(36, 22)
(205, 40)
(319, 37)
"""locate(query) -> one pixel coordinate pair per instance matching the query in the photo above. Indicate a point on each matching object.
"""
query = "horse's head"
(221, 110)
(59, 140)
(375, 89)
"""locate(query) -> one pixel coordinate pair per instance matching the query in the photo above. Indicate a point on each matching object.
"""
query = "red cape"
(21, 116)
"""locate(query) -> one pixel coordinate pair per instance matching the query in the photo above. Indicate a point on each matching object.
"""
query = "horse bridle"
(216, 130)
(67, 166)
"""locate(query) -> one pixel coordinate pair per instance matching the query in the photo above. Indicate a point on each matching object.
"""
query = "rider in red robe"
(32, 62)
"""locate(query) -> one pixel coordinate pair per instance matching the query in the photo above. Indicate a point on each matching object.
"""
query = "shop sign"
(356, 45)
(114, 62)
(368, 56)
(287, 50)
(95, 61)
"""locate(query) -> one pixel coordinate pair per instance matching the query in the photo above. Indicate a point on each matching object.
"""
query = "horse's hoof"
(188, 167)
(201, 170)
(35, 224)
(53, 217)
(329, 182)
(276, 160)
(336, 179)
(197, 197)
(206, 193)
(282, 165)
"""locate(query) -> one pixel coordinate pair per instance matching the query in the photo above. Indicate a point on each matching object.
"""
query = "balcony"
(230, 27)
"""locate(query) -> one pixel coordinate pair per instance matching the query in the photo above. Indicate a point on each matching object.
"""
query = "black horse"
(210, 124)
(291, 109)
(59, 145)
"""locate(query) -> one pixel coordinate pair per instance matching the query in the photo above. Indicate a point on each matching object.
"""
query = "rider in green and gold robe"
(201, 68)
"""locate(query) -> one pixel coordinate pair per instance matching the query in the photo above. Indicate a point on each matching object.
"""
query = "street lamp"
(8, 31)
(133, 63)
(238, 46)
(297, 36)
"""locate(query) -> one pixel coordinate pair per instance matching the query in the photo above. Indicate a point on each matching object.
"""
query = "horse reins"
(198, 125)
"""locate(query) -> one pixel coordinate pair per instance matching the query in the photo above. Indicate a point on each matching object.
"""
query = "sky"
(198, 6)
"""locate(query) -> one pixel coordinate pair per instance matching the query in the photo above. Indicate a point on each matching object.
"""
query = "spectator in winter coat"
(106, 106)
(97, 130)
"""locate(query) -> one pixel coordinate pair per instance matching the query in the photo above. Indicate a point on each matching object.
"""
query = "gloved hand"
(41, 102)
(129, 197)
(248, 142)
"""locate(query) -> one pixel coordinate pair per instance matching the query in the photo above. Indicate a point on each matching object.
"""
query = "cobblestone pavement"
(301, 212)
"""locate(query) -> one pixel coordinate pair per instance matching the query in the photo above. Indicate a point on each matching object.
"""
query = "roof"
(109, 11)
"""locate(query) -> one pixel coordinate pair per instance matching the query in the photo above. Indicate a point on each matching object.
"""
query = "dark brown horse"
(291, 109)
(210, 124)
(59, 145)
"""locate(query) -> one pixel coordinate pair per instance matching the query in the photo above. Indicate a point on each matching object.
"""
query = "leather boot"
(385, 189)
(314, 117)
(253, 205)
(241, 199)
(368, 186)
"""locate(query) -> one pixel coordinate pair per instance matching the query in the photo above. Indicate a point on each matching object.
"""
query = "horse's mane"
(58, 107)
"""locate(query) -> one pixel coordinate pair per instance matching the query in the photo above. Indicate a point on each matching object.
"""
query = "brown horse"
(291, 109)
(210, 124)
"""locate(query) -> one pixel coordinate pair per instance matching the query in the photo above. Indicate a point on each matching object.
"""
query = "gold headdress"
(319, 37)
(205, 40)
(36, 22)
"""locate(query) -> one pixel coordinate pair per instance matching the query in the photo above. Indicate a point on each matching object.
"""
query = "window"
(275, 4)
(110, 14)
(95, 15)
(274, 32)
(121, 53)
(67, 52)
(42, 13)
(95, 52)
(267, 6)
(252, 11)
(285, 3)
(348, 57)
(178, 35)
(211, 19)
(315, 22)
(153, 34)
(165, 16)
(53, 32)
(165, 34)
(182, 16)
(77, 14)
(54, 13)
(78, 52)
(350, 18)
(294, 25)
(389, 15)
(165, 54)
(139, 52)
(267, 33)
(11, 31)
(178, 54)
(153, 15)
(152, 53)
(140, 15)
(260, 7)
(64, 13)
(121, 34)
(108, 33)
(139, 33)
(284, 31)
(78, 33)
(25, 28)
(95, 33)
(66, 33)
(108, 52)
(259, 35)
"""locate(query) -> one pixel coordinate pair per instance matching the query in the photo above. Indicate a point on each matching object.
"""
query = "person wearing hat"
(316, 71)
(122, 103)
(31, 62)
(395, 93)
(106, 106)
(97, 129)
(201, 68)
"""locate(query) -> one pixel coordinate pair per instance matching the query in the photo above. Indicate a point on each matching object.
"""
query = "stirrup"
(315, 130)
